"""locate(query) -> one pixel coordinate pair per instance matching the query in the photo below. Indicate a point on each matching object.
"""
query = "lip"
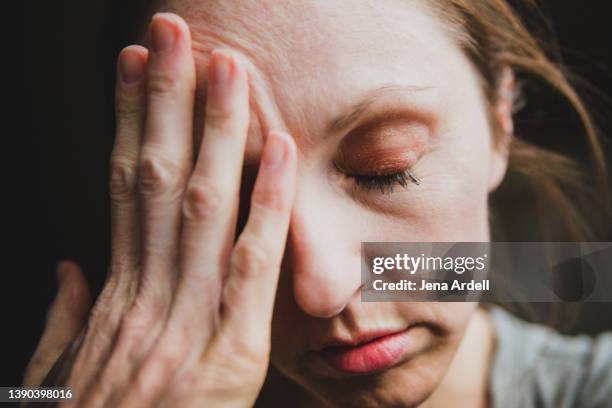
(370, 353)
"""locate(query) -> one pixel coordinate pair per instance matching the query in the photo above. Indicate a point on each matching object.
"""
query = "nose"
(324, 251)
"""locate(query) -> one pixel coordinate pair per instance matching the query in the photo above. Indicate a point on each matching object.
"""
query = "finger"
(65, 319)
(166, 156)
(209, 215)
(165, 162)
(130, 106)
(211, 199)
(248, 294)
(123, 271)
(130, 113)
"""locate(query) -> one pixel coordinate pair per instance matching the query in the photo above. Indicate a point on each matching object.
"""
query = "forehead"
(311, 58)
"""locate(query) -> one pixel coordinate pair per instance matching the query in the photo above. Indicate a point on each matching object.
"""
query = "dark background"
(64, 141)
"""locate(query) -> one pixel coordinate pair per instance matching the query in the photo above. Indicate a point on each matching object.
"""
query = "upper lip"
(357, 338)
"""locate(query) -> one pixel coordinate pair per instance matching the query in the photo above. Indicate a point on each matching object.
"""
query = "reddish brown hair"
(546, 195)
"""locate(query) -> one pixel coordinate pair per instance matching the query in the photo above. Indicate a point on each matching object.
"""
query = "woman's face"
(368, 90)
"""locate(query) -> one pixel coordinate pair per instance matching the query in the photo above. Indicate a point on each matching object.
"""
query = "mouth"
(371, 353)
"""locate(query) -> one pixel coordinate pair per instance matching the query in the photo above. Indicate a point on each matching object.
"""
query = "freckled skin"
(308, 62)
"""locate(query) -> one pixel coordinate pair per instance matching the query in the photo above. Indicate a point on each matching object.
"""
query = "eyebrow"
(344, 120)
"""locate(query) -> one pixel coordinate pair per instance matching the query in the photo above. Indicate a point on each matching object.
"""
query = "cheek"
(449, 205)
(451, 317)
(461, 186)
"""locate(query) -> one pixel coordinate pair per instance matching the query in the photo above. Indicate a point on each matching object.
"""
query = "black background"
(60, 165)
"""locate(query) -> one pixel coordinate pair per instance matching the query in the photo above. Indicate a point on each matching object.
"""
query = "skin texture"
(354, 89)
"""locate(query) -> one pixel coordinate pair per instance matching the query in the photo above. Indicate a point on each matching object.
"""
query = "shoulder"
(534, 366)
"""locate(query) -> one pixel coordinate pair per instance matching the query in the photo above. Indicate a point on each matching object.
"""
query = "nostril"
(321, 298)
(319, 308)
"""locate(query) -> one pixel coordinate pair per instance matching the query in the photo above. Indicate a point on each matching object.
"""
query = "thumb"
(65, 319)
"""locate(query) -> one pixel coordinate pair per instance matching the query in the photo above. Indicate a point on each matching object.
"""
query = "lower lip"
(370, 357)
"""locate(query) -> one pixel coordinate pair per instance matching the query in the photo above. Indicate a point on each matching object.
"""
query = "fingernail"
(220, 68)
(63, 268)
(163, 33)
(131, 67)
(274, 153)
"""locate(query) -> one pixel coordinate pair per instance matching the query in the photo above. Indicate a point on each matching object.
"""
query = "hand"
(184, 317)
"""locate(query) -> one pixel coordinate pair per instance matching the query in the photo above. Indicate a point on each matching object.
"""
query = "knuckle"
(164, 361)
(145, 314)
(151, 380)
(100, 330)
(136, 321)
(249, 258)
(122, 184)
(128, 107)
(270, 198)
(202, 201)
(162, 364)
(159, 176)
(258, 357)
(100, 318)
(219, 117)
(253, 352)
(163, 84)
(167, 81)
(123, 268)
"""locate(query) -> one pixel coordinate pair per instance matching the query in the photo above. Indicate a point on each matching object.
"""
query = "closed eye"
(385, 183)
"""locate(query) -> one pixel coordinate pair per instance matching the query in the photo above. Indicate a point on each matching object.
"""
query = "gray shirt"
(535, 366)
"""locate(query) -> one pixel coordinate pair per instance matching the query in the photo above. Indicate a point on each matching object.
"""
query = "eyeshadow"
(382, 149)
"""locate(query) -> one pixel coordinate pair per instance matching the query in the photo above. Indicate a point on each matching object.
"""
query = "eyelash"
(386, 183)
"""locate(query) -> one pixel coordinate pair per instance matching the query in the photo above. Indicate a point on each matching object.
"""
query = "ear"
(503, 128)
